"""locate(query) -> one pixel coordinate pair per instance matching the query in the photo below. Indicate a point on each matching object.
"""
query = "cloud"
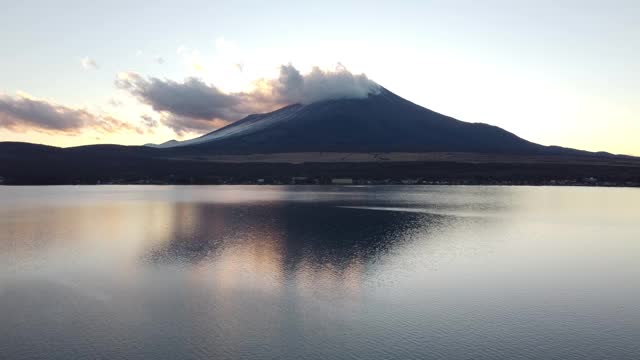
(149, 121)
(184, 125)
(190, 106)
(321, 85)
(191, 98)
(23, 113)
(160, 60)
(88, 63)
(195, 106)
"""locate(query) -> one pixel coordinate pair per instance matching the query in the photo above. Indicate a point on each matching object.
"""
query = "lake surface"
(260, 272)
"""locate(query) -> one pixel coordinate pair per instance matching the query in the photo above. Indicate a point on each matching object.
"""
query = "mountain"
(382, 122)
(382, 137)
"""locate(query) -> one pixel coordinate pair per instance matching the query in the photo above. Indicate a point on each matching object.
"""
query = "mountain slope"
(382, 122)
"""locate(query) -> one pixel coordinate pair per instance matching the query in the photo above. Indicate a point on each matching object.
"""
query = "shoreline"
(355, 184)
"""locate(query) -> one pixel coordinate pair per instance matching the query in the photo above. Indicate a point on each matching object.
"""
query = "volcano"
(381, 122)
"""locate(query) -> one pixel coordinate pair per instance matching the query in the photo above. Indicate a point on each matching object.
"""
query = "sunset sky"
(554, 72)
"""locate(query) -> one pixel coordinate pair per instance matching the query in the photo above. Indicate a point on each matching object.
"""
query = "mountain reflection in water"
(139, 272)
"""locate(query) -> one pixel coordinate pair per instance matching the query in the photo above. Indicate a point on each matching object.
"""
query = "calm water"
(234, 272)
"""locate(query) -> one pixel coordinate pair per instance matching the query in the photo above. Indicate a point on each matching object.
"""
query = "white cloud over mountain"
(195, 106)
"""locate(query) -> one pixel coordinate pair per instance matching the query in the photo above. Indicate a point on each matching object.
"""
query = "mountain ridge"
(382, 122)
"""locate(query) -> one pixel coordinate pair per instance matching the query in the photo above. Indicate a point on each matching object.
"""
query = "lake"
(319, 272)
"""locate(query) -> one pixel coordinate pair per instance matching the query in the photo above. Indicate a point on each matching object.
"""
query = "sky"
(559, 72)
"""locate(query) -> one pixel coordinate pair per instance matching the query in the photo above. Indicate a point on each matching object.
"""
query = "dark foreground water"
(235, 272)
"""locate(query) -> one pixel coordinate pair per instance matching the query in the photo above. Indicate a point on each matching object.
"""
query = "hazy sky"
(554, 72)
